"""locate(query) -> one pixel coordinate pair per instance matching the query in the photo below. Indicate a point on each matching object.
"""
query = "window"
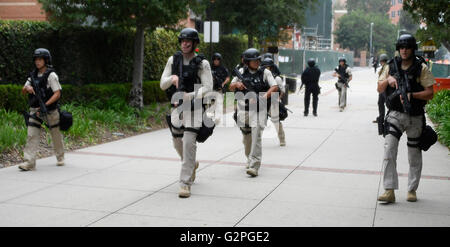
(399, 13)
(392, 14)
(400, 1)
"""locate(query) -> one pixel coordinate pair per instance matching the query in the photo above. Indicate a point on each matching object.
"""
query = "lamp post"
(371, 28)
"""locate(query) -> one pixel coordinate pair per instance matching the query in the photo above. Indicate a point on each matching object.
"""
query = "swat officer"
(259, 81)
(44, 79)
(221, 76)
(381, 96)
(274, 117)
(189, 74)
(401, 118)
(310, 78)
(344, 74)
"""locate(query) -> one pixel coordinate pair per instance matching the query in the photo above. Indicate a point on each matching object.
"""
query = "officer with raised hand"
(188, 77)
(310, 78)
(408, 84)
(344, 74)
(43, 91)
(257, 84)
(270, 65)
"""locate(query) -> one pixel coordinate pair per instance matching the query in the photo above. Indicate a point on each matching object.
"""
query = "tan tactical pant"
(186, 146)
(342, 95)
(252, 139)
(33, 138)
(412, 125)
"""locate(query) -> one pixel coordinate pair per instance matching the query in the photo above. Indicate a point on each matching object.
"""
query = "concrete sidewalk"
(329, 174)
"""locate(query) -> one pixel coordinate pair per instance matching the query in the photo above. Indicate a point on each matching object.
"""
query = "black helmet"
(406, 40)
(267, 55)
(311, 62)
(43, 53)
(216, 56)
(342, 59)
(267, 62)
(189, 33)
(251, 54)
(384, 57)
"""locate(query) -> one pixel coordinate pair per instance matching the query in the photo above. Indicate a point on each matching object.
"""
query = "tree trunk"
(136, 95)
(250, 41)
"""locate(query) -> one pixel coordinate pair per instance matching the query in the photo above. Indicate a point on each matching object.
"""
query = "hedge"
(94, 55)
(12, 98)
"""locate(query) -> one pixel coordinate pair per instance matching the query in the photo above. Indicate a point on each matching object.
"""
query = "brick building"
(21, 10)
(395, 11)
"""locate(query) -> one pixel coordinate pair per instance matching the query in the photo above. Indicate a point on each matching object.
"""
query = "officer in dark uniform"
(403, 119)
(188, 74)
(310, 78)
(221, 76)
(258, 84)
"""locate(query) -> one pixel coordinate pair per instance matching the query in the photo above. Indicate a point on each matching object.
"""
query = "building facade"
(395, 11)
(22, 10)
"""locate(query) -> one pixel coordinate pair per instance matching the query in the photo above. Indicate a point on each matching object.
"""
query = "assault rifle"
(249, 87)
(40, 95)
(404, 87)
(343, 77)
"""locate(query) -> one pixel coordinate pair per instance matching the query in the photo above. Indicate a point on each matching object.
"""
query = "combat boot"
(252, 172)
(388, 196)
(411, 197)
(185, 191)
(27, 166)
(60, 162)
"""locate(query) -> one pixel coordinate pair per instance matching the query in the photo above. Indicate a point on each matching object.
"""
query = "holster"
(381, 130)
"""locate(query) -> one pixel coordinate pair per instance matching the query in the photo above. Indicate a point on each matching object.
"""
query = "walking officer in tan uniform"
(410, 72)
(186, 77)
(43, 82)
(257, 84)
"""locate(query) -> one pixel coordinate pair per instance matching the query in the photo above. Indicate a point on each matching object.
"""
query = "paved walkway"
(329, 174)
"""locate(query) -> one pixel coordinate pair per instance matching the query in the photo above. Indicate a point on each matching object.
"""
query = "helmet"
(406, 40)
(267, 62)
(384, 57)
(216, 56)
(311, 62)
(251, 54)
(43, 53)
(189, 33)
(269, 55)
(342, 59)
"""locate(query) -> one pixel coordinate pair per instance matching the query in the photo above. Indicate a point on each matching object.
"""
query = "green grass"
(438, 109)
(91, 122)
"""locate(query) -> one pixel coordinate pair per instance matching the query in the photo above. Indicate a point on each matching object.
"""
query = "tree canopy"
(369, 6)
(138, 15)
(436, 15)
(353, 32)
(264, 19)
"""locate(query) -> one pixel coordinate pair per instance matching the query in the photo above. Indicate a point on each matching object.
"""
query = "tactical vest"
(189, 75)
(46, 92)
(342, 70)
(219, 75)
(413, 73)
(256, 80)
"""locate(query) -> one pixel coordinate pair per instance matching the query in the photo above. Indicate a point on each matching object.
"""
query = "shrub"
(438, 109)
(98, 94)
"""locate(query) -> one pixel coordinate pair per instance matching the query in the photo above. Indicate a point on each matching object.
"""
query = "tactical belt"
(413, 140)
